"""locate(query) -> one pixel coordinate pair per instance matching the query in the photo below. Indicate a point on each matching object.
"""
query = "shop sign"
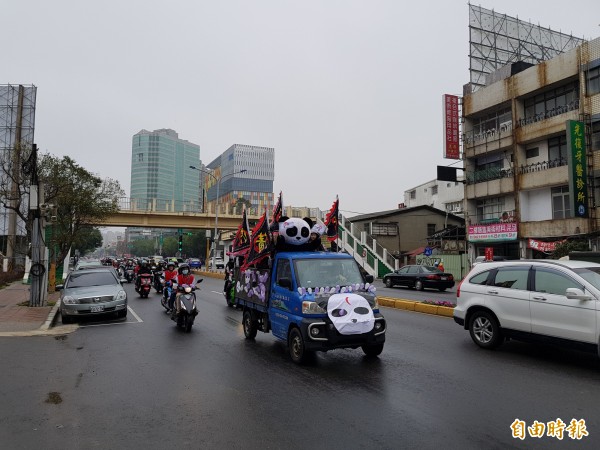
(577, 167)
(451, 141)
(493, 232)
(542, 246)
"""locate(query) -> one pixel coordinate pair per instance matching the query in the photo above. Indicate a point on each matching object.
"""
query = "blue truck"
(314, 301)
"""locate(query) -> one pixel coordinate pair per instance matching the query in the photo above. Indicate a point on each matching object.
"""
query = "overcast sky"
(349, 93)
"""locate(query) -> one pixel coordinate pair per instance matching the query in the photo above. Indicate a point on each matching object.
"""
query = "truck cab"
(315, 301)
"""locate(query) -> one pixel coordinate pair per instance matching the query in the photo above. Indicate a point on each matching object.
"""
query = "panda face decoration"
(350, 313)
(294, 231)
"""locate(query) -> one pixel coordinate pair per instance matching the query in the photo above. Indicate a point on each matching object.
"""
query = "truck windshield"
(326, 272)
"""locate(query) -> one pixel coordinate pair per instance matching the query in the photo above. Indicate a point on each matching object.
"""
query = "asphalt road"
(143, 383)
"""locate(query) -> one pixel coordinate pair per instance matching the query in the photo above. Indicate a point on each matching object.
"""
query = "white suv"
(539, 300)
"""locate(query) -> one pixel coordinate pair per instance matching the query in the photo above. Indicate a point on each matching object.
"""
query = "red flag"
(332, 220)
(277, 209)
(261, 243)
(241, 242)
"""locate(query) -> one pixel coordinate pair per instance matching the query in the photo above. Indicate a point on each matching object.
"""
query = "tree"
(142, 247)
(239, 205)
(564, 248)
(80, 198)
(88, 240)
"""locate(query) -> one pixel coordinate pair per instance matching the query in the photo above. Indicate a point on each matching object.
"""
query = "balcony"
(489, 182)
(553, 228)
(543, 174)
(548, 114)
(478, 143)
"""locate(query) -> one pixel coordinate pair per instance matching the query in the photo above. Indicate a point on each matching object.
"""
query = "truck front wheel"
(250, 327)
(296, 346)
(372, 350)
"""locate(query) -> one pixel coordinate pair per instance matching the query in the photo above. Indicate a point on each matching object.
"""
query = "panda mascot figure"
(294, 234)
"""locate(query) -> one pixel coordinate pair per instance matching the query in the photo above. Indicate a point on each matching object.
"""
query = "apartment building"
(531, 151)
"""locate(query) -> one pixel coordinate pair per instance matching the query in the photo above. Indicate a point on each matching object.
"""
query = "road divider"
(411, 305)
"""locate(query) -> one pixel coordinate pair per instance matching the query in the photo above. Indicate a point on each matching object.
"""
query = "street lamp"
(218, 181)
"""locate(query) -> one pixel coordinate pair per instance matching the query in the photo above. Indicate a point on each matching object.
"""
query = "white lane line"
(217, 292)
(134, 314)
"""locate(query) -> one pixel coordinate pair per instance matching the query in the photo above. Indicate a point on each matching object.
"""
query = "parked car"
(88, 263)
(194, 263)
(419, 277)
(218, 263)
(92, 292)
(539, 300)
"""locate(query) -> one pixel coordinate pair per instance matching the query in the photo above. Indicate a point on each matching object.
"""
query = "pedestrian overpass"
(154, 213)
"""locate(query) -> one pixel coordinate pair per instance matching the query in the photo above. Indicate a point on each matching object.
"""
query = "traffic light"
(180, 242)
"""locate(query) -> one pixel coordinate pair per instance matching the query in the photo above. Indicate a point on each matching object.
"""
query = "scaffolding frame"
(496, 40)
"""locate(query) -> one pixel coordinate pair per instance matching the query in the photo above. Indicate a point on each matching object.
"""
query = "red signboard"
(451, 141)
(489, 253)
(542, 246)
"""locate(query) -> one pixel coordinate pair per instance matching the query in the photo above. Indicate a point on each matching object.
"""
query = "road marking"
(217, 292)
(134, 314)
(115, 323)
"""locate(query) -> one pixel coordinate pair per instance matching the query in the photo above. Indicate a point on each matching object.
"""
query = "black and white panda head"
(295, 231)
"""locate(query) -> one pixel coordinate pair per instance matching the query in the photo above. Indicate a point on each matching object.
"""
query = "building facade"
(254, 187)
(160, 171)
(531, 150)
(405, 230)
(445, 195)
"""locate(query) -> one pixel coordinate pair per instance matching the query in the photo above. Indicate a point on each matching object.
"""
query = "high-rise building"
(253, 187)
(160, 172)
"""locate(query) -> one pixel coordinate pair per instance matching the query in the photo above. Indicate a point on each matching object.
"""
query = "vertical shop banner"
(451, 141)
(577, 168)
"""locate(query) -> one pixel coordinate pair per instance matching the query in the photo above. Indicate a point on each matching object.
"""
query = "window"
(561, 208)
(140, 157)
(532, 152)
(434, 190)
(512, 278)
(413, 269)
(490, 209)
(595, 144)
(384, 229)
(480, 278)
(413, 194)
(552, 282)
(557, 149)
(430, 229)
(284, 270)
(593, 81)
(552, 102)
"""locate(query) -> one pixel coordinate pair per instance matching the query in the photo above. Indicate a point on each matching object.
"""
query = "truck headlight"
(310, 307)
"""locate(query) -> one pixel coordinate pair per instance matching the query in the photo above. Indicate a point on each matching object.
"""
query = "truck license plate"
(97, 308)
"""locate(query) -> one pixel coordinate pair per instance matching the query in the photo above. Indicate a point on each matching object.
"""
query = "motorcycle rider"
(183, 277)
(170, 275)
(143, 267)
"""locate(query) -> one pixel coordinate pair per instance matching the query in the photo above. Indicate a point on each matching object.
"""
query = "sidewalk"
(18, 320)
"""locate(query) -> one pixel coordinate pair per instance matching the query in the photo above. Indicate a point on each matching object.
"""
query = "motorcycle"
(157, 280)
(167, 291)
(228, 290)
(188, 311)
(129, 273)
(145, 283)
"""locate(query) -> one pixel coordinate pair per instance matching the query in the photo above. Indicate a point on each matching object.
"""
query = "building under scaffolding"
(17, 125)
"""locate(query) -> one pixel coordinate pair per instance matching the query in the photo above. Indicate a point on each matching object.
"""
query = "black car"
(419, 277)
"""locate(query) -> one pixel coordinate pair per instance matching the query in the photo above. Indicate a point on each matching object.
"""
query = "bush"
(8, 277)
(439, 303)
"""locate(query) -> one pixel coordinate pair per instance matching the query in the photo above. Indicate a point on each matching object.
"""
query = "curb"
(46, 328)
(411, 305)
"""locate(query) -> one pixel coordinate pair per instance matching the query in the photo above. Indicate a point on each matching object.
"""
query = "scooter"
(166, 293)
(144, 285)
(188, 311)
(156, 279)
(129, 274)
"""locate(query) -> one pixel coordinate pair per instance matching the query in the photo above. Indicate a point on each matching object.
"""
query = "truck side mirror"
(285, 282)
(369, 278)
